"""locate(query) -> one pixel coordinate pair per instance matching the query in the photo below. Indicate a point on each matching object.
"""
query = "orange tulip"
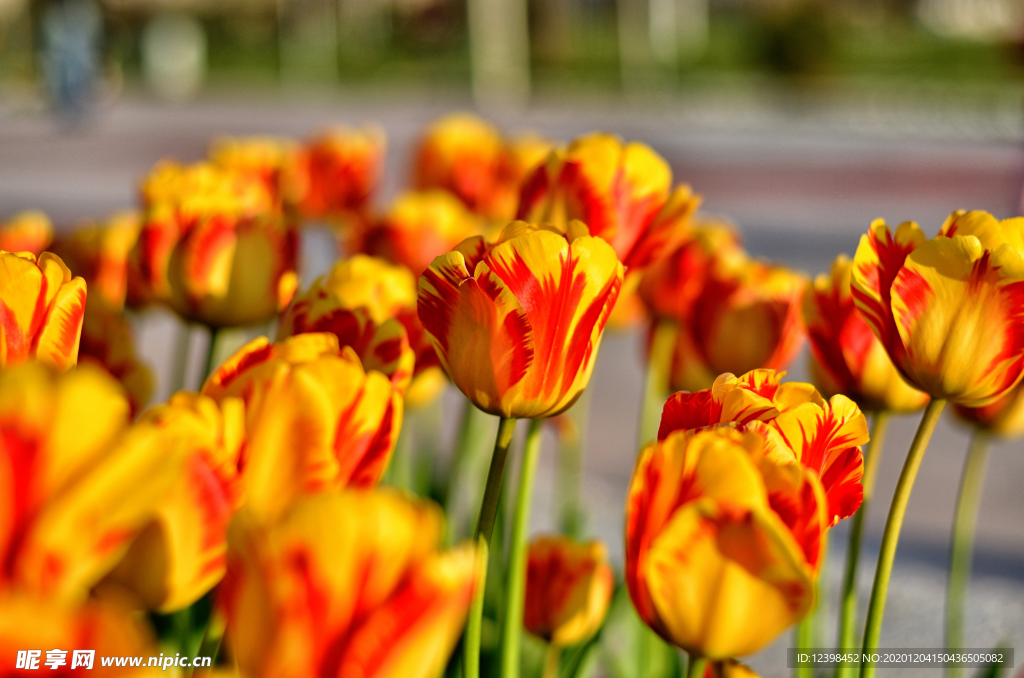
(228, 272)
(568, 588)
(468, 157)
(181, 553)
(744, 317)
(348, 584)
(277, 163)
(108, 341)
(31, 623)
(99, 253)
(175, 198)
(29, 231)
(621, 191)
(723, 540)
(315, 419)
(822, 436)
(417, 228)
(343, 167)
(948, 311)
(77, 482)
(41, 310)
(846, 357)
(517, 325)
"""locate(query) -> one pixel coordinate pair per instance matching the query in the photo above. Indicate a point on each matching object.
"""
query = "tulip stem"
(179, 368)
(656, 385)
(891, 535)
(484, 528)
(211, 352)
(696, 666)
(469, 450)
(551, 659)
(515, 593)
(848, 595)
(570, 467)
(962, 547)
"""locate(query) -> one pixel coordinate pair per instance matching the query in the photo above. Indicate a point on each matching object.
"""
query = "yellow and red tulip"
(99, 254)
(621, 191)
(517, 325)
(846, 357)
(948, 310)
(77, 482)
(568, 588)
(418, 227)
(823, 436)
(744, 317)
(229, 271)
(29, 231)
(315, 418)
(41, 310)
(108, 341)
(1004, 417)
(349, 584)
(712, 565)
(275, 162)
(343, 167)
(181, 553)
(729, 668)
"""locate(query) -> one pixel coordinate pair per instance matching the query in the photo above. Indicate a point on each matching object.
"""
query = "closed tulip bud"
(346, 584)
(28, 231)
(276, 163)
(42, 308)
(227, 272)
(315, 418)
(99, 253)
(517, 325)
(418, 227)
(745, 317)
(947, 310)
(108, 341)
(343, 167)
(824, 437)
(846, 357)
(568, 588)
(92, 484)
(712, 565)
(621, 191)
(181, 553)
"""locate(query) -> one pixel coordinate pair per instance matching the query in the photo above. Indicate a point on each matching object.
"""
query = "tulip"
(723, 540)
(99, 253)
(822, 436)
(181, 553)
(946, 310)
(517, 326)
(36, 623)
(108, 342)
(847, 358)
(744, 318)
(349, 584)
(315, 419)
(277, 163)
(568, 589)
(621, 191)
(28, 231)
(343, 167)
(79, 483)
(228, 272)
(418, 227)
(468, 157)
(729, 669)
(42, 308)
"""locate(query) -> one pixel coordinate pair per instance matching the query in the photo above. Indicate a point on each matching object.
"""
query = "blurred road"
(802, 189)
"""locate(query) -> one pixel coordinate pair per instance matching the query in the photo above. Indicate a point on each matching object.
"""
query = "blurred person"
(72, 33)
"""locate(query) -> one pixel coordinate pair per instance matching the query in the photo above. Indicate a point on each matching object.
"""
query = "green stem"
(848, 595)
(804, 639)
(469, 447)
(696, 666)
(570, 469)
(484, 528)
(962, 547)
(656, 385)
(891, 535)
(209, 646)
(515, 593)
(211, 352)
(180, 366)
(551, 658)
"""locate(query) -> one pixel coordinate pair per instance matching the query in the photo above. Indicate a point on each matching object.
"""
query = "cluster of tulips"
(266, 519)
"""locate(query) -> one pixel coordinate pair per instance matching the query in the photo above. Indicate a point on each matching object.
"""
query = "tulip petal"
(57, 342)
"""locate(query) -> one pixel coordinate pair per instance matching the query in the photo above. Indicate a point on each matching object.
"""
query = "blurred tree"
(499, 43)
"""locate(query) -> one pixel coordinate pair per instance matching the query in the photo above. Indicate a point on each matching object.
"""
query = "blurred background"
(801, 120)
